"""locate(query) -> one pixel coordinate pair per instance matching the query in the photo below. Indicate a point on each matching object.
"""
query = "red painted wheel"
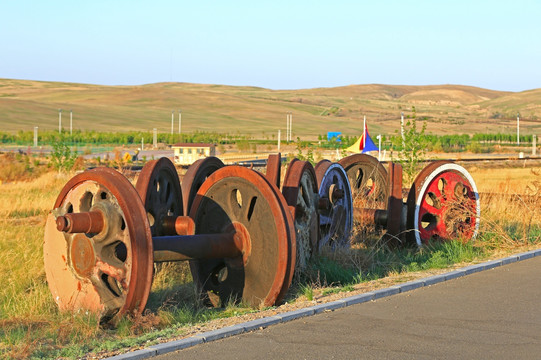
(197, 173)
(158, 186)
(238, 197)
(443, 204)
(301, 193)
(110, 272)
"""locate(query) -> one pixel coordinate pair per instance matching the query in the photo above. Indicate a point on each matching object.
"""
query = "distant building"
(187, 154)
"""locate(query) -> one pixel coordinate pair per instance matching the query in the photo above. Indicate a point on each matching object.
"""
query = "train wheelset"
(246, 235)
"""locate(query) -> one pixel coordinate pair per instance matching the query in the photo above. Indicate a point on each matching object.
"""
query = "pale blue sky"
(274, 44)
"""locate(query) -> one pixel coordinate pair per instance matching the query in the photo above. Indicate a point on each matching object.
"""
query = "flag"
(364, 143)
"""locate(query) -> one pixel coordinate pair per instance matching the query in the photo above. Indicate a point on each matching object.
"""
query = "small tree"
(62, 158)
(412, 147)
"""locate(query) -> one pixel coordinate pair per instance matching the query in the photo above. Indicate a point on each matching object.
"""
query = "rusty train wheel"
(368, 179)
(197, 173)
(336, 218)
(443, 203)
(158, 186)
(110, 272)
(236, 197)
(292, 244)
(301, 193)
(274, 166)
(394, 205)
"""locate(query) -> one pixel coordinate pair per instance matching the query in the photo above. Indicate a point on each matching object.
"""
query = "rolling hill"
(261, 112)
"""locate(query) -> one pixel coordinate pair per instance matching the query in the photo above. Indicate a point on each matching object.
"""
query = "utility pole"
(179, 122)
(59, 121)
(142, 144)
(534, 145)
(518, 129)
(402, 130)
(172, 120)
(36, 136)
(290, 126)
(71, 122)
(155, 138)
(287, 126)
(364, 132)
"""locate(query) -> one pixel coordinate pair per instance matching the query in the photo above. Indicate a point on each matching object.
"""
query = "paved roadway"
(494, 314)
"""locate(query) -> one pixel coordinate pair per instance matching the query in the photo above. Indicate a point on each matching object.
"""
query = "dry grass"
(513, 219)
(449, 109)
(16, 167)
(30, 321)
(505, 180)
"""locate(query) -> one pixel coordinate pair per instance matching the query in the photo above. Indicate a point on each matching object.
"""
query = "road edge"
(167, 347)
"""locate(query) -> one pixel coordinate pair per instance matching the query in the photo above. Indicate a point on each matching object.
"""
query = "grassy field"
(31, 325)
(448, 109)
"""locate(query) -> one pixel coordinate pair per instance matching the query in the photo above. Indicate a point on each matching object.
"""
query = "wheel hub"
(82, 256)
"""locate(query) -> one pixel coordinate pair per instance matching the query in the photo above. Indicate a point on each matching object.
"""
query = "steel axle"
(169, 248)
(103, 237)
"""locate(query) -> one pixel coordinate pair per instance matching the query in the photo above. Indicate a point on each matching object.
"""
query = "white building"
(187, 154)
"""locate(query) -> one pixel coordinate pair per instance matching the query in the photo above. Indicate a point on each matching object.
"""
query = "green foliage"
(307, 291)
(412, 146)
(328, 272)
(302, 145)
(119, 138)
(243, 145)
(62, 157)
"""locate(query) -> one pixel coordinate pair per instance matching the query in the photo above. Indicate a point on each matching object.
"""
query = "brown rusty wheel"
(159, 188)
(301, 193)
(336, 207)
(394, 205)
(368, 180)
(106, 271)
(443, 203)
(238, 198)
(274, 166)
(197, 173)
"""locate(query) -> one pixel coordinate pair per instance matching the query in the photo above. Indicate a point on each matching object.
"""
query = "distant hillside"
(261, 112)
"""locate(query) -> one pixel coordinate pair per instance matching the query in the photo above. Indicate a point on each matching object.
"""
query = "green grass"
(32, 327)
(325, 271)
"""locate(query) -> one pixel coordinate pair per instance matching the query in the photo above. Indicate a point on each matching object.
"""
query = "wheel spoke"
(116, 271)
(427, 208)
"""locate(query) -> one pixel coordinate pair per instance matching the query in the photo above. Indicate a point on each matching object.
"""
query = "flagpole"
(364, 132)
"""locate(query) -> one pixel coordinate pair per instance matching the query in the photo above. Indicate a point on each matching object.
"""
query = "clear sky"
(274, 44)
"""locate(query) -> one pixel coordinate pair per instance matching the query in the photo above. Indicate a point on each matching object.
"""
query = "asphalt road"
(494, 314)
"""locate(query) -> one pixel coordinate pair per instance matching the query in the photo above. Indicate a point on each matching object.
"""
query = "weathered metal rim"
(424, 179)
(138, 227)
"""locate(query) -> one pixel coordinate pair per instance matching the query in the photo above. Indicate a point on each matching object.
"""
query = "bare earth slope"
(261, 112)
